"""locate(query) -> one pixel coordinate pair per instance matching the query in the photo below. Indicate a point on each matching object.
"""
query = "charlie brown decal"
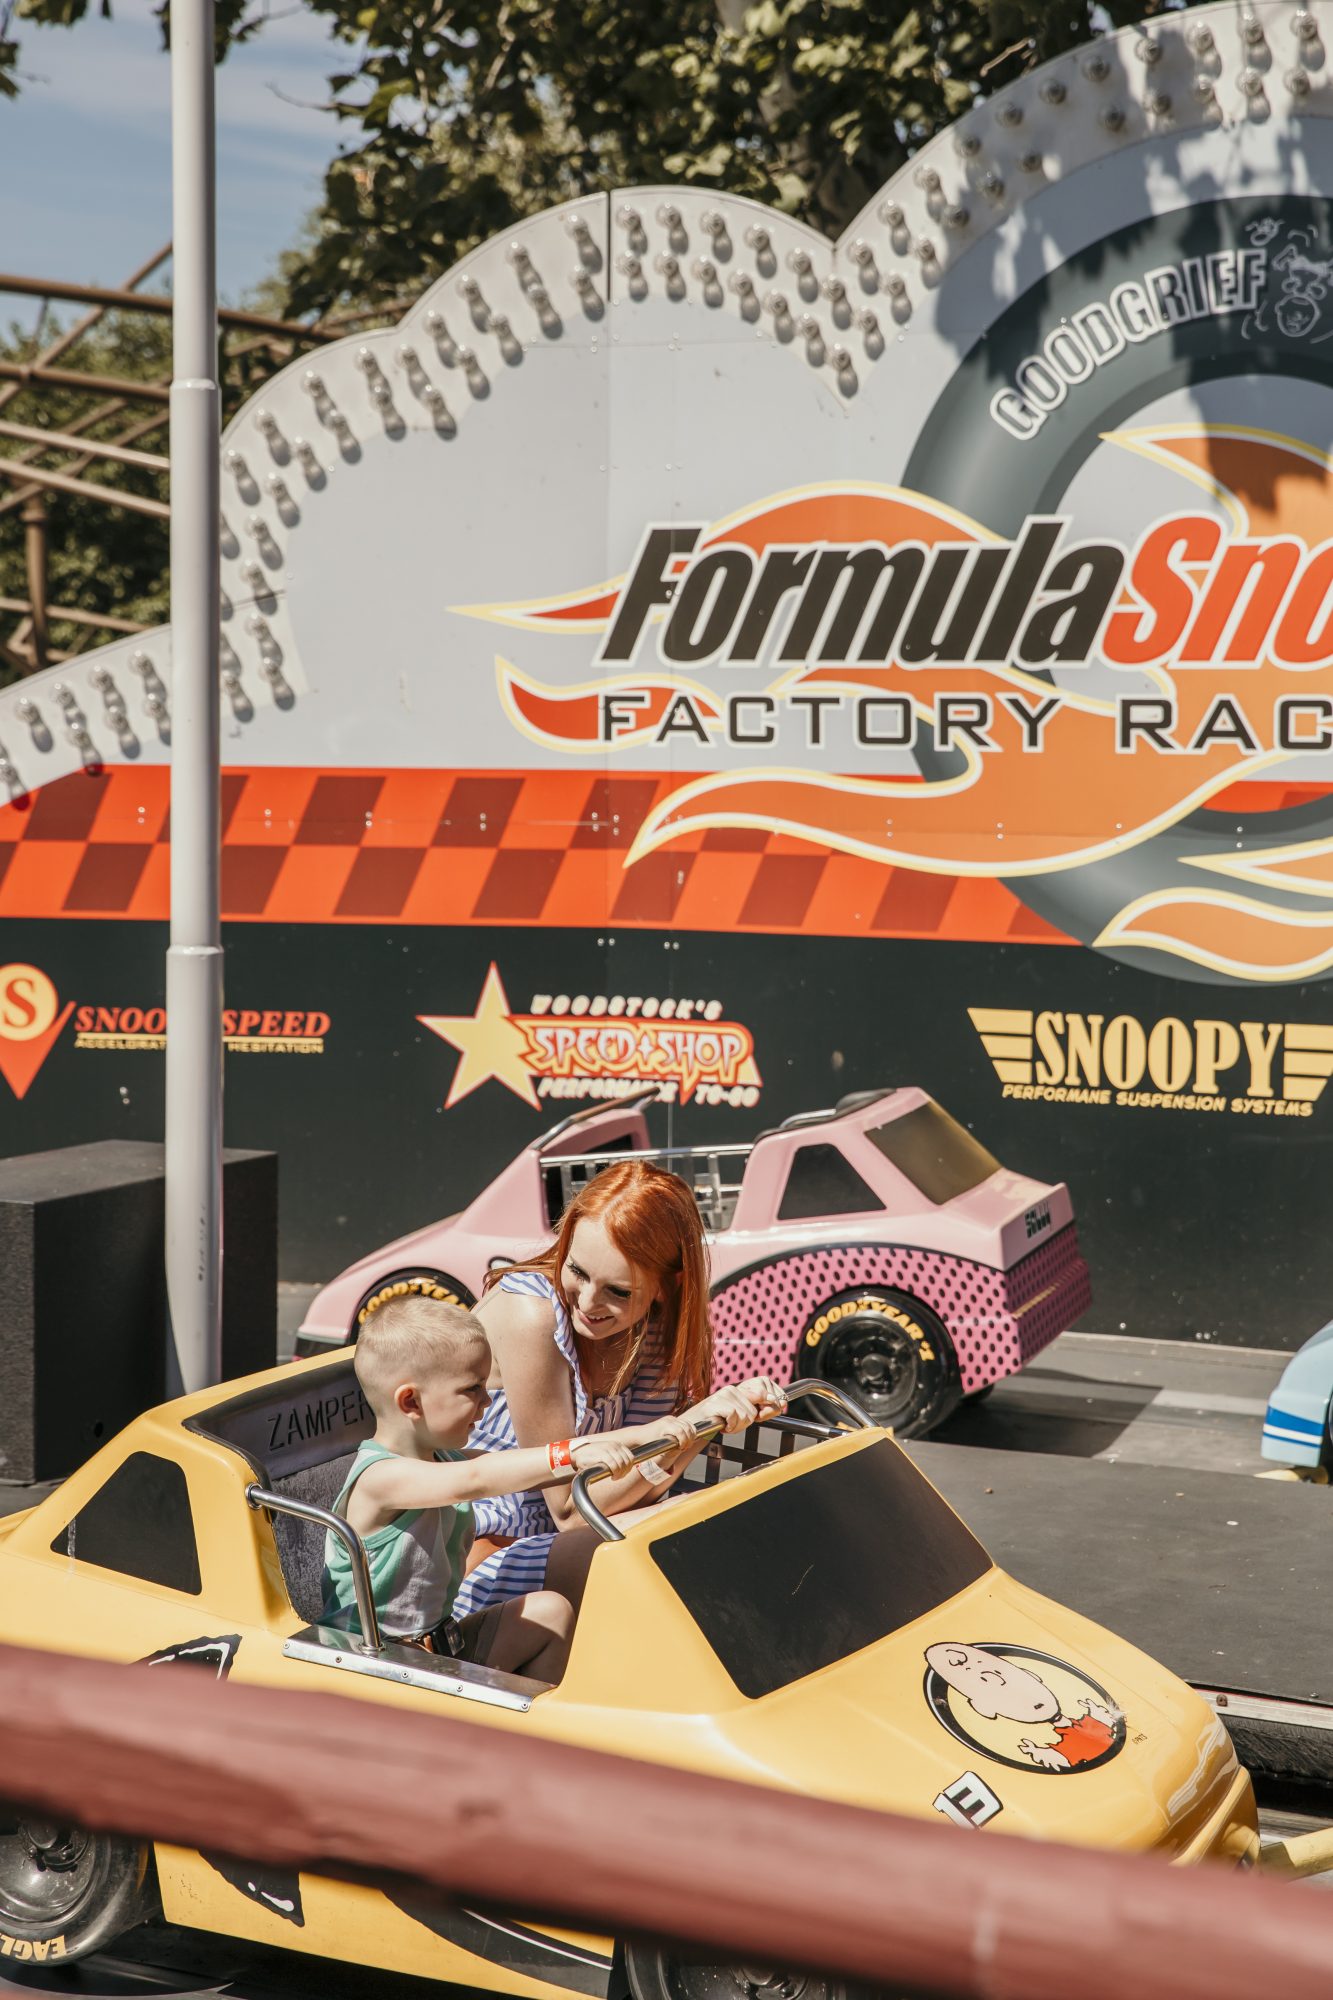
(1021, 1707)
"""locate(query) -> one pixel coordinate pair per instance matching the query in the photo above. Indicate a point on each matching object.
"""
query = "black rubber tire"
(656, 1972)
(890, 1353)
(64, 1893)
(414, 1278)
(979, 1395)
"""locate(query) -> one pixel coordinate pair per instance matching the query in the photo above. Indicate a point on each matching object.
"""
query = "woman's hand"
(680, 1429)
(739, 1406)
(770, 1395)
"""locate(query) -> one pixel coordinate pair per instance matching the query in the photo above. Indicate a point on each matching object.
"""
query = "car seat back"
(299, 1431)
(301, 1543)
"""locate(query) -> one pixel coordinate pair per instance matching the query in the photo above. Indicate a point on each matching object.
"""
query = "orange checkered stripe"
(486, 848)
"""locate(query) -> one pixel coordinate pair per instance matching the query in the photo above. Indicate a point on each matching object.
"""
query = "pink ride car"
(878, 1245)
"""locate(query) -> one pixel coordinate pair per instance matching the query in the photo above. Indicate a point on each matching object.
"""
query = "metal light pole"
(194, 959)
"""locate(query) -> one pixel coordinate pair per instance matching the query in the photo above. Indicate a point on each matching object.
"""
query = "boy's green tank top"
(416, 1560)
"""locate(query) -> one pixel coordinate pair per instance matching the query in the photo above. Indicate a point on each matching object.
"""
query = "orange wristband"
(559, 1455)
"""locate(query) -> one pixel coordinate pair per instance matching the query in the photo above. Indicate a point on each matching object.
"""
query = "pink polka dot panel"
(997, 1320)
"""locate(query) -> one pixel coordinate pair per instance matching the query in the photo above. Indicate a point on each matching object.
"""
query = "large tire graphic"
(1227, 375)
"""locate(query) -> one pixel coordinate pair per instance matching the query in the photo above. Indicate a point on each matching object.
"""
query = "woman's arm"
(537, 1384)
(521, 1330)
(637, 1488)
(734, 1409)
(536, 1378)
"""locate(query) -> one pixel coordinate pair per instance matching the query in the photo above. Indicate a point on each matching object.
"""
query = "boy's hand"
(601, 1451)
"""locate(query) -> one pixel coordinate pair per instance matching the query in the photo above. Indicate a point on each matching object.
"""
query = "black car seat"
(301, 1543)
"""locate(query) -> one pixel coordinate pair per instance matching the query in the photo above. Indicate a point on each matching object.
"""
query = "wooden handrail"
(76, 378)
(122, 300)
(71, 335)
(500, 1818)
(45, 440)
(67, 614)
(60, 482)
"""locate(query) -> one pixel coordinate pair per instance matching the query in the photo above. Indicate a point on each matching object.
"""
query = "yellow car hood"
(1133, 1758)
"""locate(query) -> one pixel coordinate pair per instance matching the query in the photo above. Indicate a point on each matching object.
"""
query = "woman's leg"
(524, 1635)
(574, 1548)
(507, 1572)
(550, 1562)
(567, 1563)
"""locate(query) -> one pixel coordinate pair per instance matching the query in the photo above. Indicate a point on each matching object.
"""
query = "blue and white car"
(1296, 1428)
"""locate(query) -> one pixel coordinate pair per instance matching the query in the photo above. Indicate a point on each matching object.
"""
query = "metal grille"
(727, 1457)
(713, 1173)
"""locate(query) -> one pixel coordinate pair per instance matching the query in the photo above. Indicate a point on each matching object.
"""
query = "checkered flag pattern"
(486, 848)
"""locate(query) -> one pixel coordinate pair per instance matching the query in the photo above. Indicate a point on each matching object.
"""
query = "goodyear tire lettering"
(922, 1384)
(850, 1307)
(427, 1287)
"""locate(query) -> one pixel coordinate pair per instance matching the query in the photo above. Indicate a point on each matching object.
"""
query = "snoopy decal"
(1298, 286)
(1021, 1707)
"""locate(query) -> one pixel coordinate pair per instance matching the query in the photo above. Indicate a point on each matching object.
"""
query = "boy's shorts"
(467, 1638)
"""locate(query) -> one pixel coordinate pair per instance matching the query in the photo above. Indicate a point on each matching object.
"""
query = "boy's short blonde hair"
(408, 1338)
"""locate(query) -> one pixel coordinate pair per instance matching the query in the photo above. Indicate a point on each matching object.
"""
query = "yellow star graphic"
(488, 1042)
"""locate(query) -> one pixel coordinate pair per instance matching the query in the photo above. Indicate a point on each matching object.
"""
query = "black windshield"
(939, 1157)
(814, 1569)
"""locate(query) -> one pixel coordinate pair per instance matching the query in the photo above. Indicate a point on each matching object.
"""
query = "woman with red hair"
(606, 1331)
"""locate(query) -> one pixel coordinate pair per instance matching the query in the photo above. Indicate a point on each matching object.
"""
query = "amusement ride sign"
(1074, 666)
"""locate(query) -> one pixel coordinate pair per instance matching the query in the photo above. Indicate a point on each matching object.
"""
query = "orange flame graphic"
(1078, 799)
(570, 718)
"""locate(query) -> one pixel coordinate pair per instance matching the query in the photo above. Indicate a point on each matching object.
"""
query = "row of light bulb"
(155, 699)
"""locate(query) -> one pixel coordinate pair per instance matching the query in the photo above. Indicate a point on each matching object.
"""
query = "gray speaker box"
(83, 1308)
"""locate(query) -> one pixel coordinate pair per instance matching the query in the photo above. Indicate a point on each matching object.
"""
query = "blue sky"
(85, 151)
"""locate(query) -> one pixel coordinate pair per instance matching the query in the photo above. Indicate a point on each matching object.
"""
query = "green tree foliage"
(463, 118)
(459, 118)
(100, 558)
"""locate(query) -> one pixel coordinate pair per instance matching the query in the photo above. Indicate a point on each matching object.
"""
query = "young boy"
(423, 1366)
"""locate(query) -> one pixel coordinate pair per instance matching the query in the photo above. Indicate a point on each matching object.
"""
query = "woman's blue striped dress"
(512, 1571)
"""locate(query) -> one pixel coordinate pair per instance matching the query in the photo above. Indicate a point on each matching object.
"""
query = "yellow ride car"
(809, 1615)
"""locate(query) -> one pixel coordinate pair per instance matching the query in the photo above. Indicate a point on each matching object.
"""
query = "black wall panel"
(1197, 1224)
(83, 1295)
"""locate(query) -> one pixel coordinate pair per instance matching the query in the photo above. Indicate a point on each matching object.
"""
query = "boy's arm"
(392, 1485)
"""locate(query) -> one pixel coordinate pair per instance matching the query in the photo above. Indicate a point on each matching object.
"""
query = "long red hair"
(653, 1219)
